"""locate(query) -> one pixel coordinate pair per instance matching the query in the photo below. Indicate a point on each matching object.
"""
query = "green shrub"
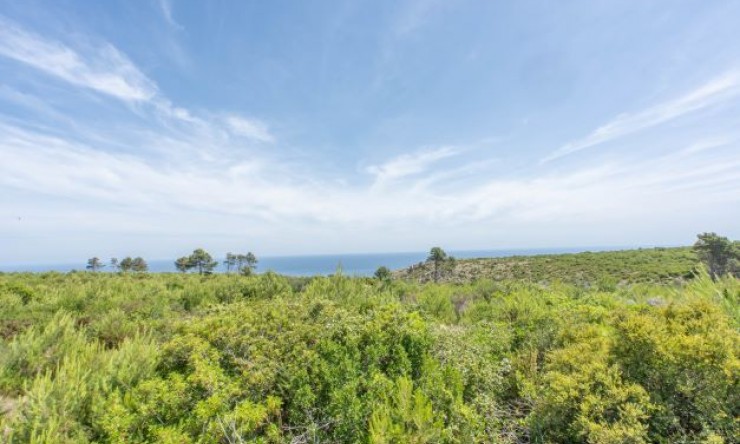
(100, 357)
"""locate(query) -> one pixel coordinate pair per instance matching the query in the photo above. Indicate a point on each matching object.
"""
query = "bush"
(98, 357)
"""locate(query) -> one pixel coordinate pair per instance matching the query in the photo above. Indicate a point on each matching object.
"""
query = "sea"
(312, 265)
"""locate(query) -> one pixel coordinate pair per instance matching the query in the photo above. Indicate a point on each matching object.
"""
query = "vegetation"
(94, 264)
(440, 262)
(383, 273)
(136, 264)
(228, 358)
(241, 263)
(200, 260)
(719, 254)
(609, 268)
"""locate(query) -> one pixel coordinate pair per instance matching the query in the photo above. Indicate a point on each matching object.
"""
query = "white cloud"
(250, 128)
(717, 90)
(706, 144)
(170, 171)
(103, 68)
(259, 191)
(410, 164)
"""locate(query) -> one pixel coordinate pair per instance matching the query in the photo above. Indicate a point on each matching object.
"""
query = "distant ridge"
(620, 267)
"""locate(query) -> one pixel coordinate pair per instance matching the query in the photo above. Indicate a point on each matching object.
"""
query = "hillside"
(653, 265)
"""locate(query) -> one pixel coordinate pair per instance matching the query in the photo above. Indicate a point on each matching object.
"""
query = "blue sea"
(350, 264)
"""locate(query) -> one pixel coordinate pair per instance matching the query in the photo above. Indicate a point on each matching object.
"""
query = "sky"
(158, 126)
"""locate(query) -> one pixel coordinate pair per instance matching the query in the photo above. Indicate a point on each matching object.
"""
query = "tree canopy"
(719, 254)
(383, 273)
(94, 264)
(137, 264)
(438, 257)
(199, 260)
(241, 263)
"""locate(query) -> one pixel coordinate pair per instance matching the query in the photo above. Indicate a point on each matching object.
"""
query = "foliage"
(94, 264)
(242, 263)
(139, 265)
(439, 258)
(136, 264)
(383, 273)
(606, 269)
(182, 264)
(199, 260)
(719, 254)
(189, 358)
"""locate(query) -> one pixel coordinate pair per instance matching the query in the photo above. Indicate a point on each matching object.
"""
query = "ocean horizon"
(356, 264)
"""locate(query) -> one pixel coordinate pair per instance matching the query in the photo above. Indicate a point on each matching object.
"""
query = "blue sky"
(154, 127)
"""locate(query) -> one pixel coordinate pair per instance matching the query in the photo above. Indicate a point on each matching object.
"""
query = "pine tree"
(94, 264)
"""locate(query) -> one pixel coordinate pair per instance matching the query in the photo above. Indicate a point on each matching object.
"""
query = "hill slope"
(609, 267)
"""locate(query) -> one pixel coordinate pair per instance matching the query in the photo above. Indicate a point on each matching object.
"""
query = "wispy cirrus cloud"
(101, 68)
(52, 166)
(168, 168)
(166, 7)
(717, 90)
(409, 164)
(250, 128)
(707, 144)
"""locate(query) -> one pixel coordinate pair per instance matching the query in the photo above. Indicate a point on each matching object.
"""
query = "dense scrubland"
(650, 355)
(606, 268)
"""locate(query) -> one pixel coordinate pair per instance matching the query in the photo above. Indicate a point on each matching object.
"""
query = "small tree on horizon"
(247, 263)
(114, 265)
(383, 274)
(436, 256)
(718, 253)
(139, 265)
(126, 264)
(202, 261)
(230, 262)
(183, 264)
(241, 263)
(94, 264)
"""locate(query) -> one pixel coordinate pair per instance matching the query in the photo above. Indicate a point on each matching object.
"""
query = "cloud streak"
(407, 165)
(103, 68)
(167, 170)
(250, 128)
(56, 167)
(166, 7)
(715, 91)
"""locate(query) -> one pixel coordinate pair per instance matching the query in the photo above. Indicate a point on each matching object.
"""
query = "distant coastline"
(357, 264)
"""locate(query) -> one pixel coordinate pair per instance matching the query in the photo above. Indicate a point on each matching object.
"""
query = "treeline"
(200, 261)
(127, 264)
